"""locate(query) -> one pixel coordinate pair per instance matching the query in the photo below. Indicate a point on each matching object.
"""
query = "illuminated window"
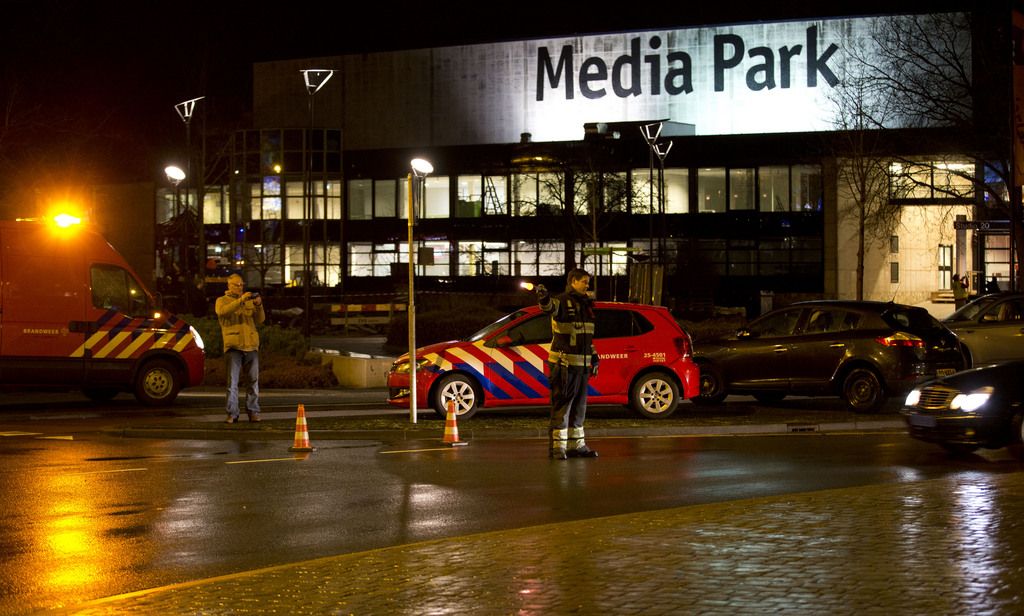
(538, 259)
(384, 198)
(435, 202)
(214, 205)
(470, 200)
(331, 200)
(495, 195)
(932, 180)
(741, 189)
(711, 195)
(807, 188)
(537, 194)
(366, 259)
(294, 208)
(264, 260)
(483, 259)
(773, 183)
(677, 191)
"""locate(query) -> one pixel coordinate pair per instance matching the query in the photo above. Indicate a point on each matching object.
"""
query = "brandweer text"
(766, 68)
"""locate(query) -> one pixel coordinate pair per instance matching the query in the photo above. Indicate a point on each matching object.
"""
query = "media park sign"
(734, 79)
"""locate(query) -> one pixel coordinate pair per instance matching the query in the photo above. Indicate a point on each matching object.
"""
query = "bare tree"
(584, 194)
(863, 169)
(942, 71)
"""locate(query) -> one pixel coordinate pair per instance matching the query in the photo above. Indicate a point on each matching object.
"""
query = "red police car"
(645, 364)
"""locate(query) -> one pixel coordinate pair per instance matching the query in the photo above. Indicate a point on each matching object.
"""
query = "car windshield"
(502, 322)
(970, 311)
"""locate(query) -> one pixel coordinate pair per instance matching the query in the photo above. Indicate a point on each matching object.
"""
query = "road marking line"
(19, 433)
(419, 450)
(292, 459)
(117, 470)
(56, 438)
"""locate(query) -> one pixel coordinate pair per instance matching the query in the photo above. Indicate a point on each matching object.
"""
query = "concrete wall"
(358, 372)
(921, 230)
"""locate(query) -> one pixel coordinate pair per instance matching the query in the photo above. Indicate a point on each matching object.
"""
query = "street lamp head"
(662, 149)
(316, 78)
(421, 167)
(651, 132)
(174, 174)
(186, 108)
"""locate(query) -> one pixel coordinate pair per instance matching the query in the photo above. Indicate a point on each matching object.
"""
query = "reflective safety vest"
(572, 329)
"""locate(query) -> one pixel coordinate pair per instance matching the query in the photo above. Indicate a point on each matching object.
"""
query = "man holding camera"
(572, 360)
(238, 312)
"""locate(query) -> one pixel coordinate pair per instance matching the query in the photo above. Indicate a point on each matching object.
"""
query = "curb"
(416, 434)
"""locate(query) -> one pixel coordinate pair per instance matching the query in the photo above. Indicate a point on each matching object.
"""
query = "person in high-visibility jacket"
(572, 360)
(238, 312)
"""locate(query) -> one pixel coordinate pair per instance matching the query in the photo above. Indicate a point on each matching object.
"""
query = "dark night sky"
(90, 86)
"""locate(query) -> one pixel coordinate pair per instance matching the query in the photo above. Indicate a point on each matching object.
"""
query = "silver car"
(991, 327)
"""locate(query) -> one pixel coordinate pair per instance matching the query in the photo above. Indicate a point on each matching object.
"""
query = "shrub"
(274, 339)
(441, 325)
(280, 372)
(285, 361)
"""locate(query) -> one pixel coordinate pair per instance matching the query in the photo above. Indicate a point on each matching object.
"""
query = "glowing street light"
(175, 175)
(420, 170)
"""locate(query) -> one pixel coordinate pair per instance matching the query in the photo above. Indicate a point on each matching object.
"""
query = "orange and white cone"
(301, 432)
(451, 429)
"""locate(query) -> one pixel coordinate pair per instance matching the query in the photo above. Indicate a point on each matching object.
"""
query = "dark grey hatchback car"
(862, 351)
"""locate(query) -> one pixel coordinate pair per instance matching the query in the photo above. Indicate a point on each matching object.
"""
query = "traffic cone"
(451, 430)
(301, 433)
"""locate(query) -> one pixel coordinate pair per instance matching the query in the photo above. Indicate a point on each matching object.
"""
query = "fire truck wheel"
(157, 383)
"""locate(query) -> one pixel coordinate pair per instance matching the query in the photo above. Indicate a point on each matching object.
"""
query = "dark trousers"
(568, 396)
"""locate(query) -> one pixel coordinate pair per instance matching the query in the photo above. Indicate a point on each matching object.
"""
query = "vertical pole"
(650, 225)
(186, 270)
(307, 215)
(661, 220)
(412, 304)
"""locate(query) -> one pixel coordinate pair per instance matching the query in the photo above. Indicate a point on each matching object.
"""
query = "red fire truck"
(73, 314)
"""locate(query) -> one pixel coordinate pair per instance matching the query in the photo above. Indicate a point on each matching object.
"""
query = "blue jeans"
(250, 360)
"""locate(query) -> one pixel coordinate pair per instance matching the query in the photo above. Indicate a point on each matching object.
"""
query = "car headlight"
(913, 397)
(197, 338)
(402, 367)
(971, 402)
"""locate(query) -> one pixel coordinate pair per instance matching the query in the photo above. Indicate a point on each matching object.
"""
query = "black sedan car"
(862, 351)
(981, 407)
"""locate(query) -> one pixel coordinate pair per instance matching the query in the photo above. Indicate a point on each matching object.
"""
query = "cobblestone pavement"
(945, 546)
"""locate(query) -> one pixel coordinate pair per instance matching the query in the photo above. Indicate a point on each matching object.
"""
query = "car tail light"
(901, 339)
(683, 345)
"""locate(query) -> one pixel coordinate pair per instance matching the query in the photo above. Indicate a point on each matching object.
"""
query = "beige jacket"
(238, 321)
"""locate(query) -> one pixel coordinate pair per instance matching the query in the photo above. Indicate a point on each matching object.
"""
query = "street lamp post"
(314, 78)
(420, 170)
(185, 111)
(661, 150)
(651, 132)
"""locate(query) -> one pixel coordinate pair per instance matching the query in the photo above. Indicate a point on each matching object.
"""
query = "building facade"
(711, 157)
